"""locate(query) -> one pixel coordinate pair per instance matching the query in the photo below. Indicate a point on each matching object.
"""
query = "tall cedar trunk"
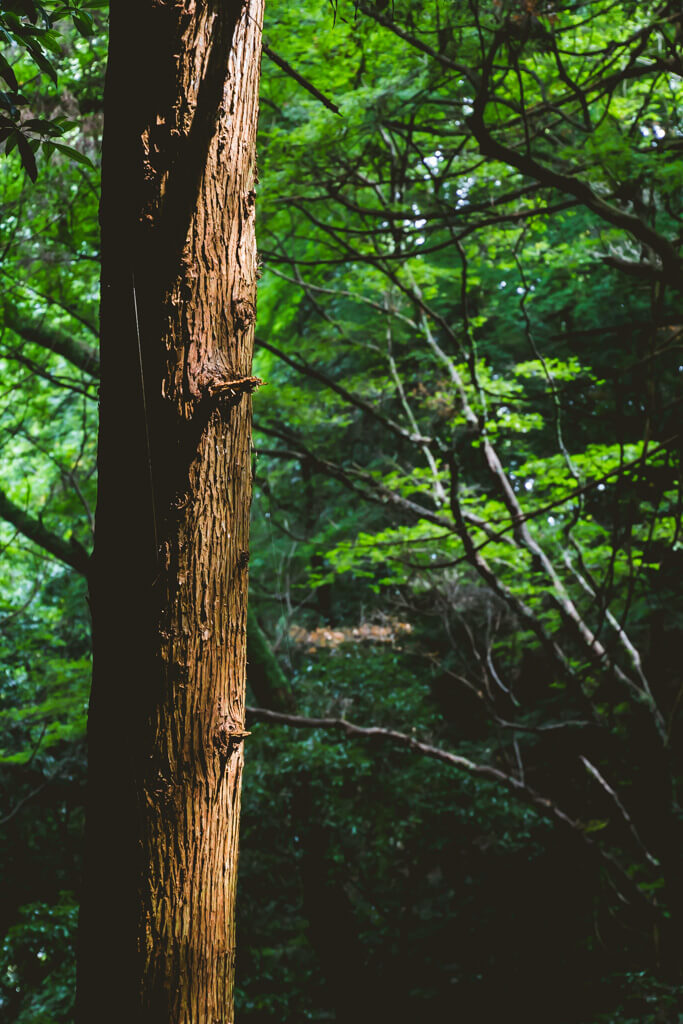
(169, 587)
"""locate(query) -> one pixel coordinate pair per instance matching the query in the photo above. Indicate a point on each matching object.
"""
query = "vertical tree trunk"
(169, 580)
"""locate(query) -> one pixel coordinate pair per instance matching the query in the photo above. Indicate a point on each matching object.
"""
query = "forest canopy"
(464, 672)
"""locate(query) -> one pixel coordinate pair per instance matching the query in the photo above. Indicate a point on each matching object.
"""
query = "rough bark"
(169, 581)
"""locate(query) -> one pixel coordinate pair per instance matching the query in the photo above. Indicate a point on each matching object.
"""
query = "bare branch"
(544, 805)
(614, 796)
(299, 78)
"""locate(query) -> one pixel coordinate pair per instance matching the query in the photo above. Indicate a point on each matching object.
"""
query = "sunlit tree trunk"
(169, 577)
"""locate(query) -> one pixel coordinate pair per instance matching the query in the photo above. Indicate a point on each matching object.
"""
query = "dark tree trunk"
(169, 579)
(266, 678)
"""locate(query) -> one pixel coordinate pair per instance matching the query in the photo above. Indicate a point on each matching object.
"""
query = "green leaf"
(40, 124)
(28, 160)
(595, 825)
(84, 23)
(52, 41)
(43, 63)
(74, 154)
(7, 72)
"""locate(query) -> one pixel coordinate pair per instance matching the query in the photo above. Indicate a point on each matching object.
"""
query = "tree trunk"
(169, 578)
(268, 682)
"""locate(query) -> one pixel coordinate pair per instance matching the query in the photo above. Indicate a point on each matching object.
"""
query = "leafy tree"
(466, 528)
(172, 513)
(485, 244)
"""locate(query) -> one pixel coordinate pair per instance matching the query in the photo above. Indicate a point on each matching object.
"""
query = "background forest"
(461, 796)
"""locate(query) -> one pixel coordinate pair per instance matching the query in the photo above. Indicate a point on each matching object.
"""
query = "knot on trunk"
(218, 382)
(227, 737)
(243, 314)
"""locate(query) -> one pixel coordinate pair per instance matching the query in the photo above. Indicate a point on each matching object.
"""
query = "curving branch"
(543, 804)
(80, 355)
(64, 549)
(524, 162)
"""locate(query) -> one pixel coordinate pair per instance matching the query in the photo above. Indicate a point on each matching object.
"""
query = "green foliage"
(36, 38)
(37, 974)
(517, 300)
(478, 305)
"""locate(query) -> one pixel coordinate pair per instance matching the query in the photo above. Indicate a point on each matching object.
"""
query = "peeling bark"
(169, 582)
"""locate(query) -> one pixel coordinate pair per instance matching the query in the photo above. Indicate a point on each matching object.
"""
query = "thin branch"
(360, 403)
(413, 41)
(299, 78)
(544, 805)
(614, 796)
(529, 166)
(22, 803)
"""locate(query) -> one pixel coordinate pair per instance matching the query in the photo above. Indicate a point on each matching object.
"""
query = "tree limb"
(542, 804)
(67, 550)
(529, 166)
(308, 86)
(54, 339)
